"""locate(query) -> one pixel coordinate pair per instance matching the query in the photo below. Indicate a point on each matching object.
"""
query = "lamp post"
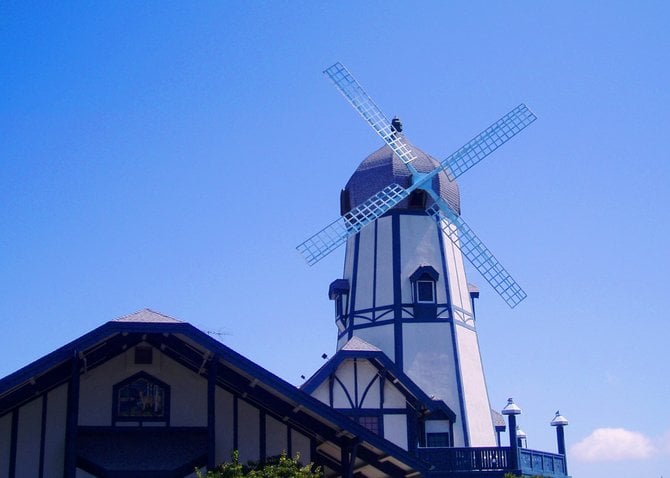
(560, 422)
(512, 410)
(521, 438)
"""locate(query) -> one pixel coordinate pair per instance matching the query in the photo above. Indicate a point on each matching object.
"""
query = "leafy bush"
(279, 467)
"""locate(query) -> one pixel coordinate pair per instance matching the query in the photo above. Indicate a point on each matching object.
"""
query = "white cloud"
(613, 444)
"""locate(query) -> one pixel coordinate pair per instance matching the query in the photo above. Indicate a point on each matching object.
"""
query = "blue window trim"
(424, 271)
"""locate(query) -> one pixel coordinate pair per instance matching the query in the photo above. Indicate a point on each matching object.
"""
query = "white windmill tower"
(404, 288)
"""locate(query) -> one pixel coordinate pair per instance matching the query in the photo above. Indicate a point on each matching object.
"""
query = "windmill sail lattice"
(452, 225)
(359, 99)
(336, 233)
(455, 228)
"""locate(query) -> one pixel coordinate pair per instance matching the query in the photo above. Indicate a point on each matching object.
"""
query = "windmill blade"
(336, 233)
(487, 141)
(359, 99)
(477, 253)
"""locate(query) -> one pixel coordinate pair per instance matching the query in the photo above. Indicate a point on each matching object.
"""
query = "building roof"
(357, 343)
(383, 168)
(202, 354)
(359, 349)
(148, 315)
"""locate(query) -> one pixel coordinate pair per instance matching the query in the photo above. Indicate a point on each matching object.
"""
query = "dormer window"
(339, 292)
(423, 283)
(424, 292)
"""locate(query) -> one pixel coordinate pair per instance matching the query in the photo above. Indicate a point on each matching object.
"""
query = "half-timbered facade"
(150, 396)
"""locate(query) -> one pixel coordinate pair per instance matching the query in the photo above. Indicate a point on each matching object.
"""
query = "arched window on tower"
(424, 292)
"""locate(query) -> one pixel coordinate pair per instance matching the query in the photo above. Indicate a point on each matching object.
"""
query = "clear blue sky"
(171, 155)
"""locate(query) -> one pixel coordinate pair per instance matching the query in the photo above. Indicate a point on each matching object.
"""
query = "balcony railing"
(533, 462)
(530, 462)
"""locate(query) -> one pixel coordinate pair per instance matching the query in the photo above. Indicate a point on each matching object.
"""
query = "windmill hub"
(383, 167)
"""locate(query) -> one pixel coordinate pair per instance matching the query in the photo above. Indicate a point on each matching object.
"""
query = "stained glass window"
(141, 397)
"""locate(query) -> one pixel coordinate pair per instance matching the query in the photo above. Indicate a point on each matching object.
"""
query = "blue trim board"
(354, 284)
(263, 436)
(12, 443)
(356, 403)
(397, 291)
(211, 412)
(289, 441)
(236, 423)
(43, 433)
(412, 431)
(71, 420)
(374, 271)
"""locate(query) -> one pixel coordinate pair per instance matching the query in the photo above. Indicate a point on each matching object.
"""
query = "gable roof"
(357, 348)
(202, 354)
(148, 315)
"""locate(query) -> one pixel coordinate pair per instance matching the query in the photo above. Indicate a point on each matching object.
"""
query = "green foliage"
(280, 467)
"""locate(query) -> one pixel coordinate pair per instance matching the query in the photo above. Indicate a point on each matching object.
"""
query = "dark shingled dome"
(383, 167)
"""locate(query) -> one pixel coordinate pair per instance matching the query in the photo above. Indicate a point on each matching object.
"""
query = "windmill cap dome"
(383, 168)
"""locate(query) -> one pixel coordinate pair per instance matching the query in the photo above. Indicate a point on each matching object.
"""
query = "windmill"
(447, 219)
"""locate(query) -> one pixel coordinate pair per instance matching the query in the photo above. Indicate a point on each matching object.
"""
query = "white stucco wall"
(366, 269)
(188, 391)
(276, 437)
(429, 361)
(419, 246)
(248, 433)
(458, 285)
(395, 429)
(367, 376)
(480, 424)
(27, 448)
(384, 275)
(54, 439)
(224, 425)
(345, 374)
(300, 445)
(321, 393)
(381, 337)
(393, 398)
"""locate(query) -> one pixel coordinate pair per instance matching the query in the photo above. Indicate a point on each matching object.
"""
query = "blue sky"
(171, 155)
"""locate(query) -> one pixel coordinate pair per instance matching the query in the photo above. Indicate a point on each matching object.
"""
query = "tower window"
(424, 283)
(425, 291)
